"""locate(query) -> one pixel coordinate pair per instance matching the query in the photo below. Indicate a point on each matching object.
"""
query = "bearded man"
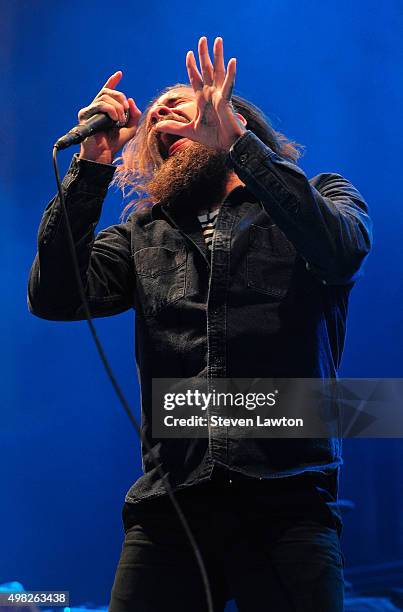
(237, 266)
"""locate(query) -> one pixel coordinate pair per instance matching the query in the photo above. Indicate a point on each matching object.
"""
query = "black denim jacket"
(271, 302)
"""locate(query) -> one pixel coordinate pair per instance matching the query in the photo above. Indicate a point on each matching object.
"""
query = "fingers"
(176, 128)
(99, 107)
(206, 66)
(116, 95)
(116, 98)
(113, 103)
(109, 97)
(219, 67)
(102, 102)
(117, 102)
(113, 80)
(211, 74)
(134, 114)
(195, 77)
(229, 80)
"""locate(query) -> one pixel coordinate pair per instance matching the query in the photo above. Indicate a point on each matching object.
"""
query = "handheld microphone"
(100, 122)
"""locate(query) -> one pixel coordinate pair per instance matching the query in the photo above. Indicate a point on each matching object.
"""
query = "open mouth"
(168, 144)
(176, 145)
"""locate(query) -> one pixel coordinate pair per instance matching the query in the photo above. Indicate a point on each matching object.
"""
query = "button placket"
(216, 320)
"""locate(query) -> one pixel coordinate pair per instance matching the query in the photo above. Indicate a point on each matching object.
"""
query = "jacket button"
(243, 158)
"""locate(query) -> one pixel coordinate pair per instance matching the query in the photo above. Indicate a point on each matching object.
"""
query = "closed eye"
(175, 101)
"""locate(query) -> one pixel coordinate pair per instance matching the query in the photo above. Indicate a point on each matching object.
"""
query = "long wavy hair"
(136, 166)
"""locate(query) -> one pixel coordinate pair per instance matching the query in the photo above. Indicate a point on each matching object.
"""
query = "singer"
(237, 265)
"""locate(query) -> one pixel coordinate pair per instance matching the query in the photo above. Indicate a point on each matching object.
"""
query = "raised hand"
(103, 146)
(215, 124)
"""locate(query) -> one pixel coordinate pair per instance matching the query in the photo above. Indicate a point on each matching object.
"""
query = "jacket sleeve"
(326, 219)
(104, 259)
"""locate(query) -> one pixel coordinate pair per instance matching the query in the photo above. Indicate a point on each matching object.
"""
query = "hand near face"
(103, 146)
(216, 125)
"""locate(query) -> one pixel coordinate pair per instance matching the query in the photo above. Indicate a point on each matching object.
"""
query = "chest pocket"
(269, 261)
(161, 274)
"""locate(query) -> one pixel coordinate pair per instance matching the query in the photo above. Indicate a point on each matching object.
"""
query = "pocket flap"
(269, 238)
(153, 261)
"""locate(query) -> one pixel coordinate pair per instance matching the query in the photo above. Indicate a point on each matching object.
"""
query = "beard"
(193, 178)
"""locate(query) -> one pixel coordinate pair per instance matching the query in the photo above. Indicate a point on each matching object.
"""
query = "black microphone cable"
(121, 396)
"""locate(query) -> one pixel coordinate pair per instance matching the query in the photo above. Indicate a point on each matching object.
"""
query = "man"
(263, 292)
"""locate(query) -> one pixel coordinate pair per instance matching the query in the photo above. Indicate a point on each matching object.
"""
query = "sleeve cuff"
(249, 146)
(88, 176)
(259, 167)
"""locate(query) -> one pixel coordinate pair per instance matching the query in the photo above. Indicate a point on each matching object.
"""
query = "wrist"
(104, 157)
(235, 135)
(92, 175)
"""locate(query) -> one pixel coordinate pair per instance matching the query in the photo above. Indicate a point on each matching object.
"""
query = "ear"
(241, 118)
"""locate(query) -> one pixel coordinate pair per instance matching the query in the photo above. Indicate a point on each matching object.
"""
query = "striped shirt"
(208, 223)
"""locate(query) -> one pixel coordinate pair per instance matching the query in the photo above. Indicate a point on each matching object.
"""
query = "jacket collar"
(239, 194)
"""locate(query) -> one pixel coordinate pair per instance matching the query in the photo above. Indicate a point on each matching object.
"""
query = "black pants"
(266, 550)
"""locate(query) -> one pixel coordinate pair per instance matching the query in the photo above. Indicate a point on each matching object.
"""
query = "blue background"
(330, 76)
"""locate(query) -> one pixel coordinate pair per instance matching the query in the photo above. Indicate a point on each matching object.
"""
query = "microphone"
(100, 122)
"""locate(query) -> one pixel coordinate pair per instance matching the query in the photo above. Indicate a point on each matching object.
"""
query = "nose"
(158, 113)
